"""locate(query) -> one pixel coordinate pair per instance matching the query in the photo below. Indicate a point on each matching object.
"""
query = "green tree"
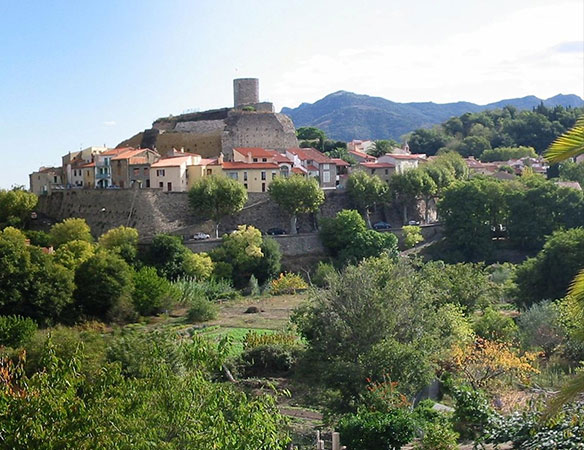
(167, 254)
(507, 153)
(296, 195)
(382, 147)
(31, 283)
(151, 292)
(312, 134)
(197, 265)
(571, 171)
(412, 235)
(366, 191)
(121, 240)
(15, 207)
(103, 282)
(495, 326)
(74, 253)
(71, 229)
(216, 197)
(548, 275)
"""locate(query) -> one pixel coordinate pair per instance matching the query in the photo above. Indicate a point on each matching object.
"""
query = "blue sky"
(80, 73)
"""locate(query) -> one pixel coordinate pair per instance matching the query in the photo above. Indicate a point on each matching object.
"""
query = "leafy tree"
(121, 240)
(377, 430)
(74, 253)
(16, 206)
(382, 147)
(412, 235)
(540, 328)
(342, 153)
(216, 197)
(103, 281)
(493, 325)
(151, 292)
(406, 187)
(197, 265)
(507, 153)
(548, 275)
(366, 191)
(427, 141)
(311, 134)
(571, 171)
(16, 331)
(71, 229)
(167, 254)
(296, 195)
(31, 283)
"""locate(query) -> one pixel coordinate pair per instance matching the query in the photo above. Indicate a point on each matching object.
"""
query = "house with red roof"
(124, 167)
(383, 170)
(402, 162)
(46, 179)
(361, 156)
(316, 164)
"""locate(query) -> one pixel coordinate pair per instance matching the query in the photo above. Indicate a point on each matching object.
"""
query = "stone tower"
(246, 91)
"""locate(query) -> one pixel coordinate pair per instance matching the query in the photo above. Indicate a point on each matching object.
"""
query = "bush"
(412, 235)
(201, 309)
(322, 273)
(197, 265)
(287, 284)
(495, 326)
(253, 287)
(151, 292)
(16, 331)
(540, 327)
(268, 359)
(438, 436)
(472, 412)
(254, 339)
(375, 430)
(70, 229)
(188, 289)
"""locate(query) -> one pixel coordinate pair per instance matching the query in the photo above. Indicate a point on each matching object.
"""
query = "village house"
(316, 165)
(361, 156)
(73, 163)
(132, 167)
(383, 170)
(46, 180)
(402, 162)
(343, 168)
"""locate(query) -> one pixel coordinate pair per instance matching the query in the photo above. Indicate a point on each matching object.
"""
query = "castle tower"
(246, 91)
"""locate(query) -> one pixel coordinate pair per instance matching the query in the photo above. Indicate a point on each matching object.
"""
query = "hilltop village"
(249, 143)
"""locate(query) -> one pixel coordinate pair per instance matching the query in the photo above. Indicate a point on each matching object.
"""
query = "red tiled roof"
(396, 156)
(129, 154)
(307, 154)
(377, 165)
(312, 168)
(298, 170)
(175, 161)
(228, 165)
(116, 151)
(207, 161)
(340, 162)
(91, 164)
(138, 160)
(279, 157)
(255, 152)
(362, 155)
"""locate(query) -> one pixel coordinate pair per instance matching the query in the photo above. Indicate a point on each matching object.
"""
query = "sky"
(79, 73)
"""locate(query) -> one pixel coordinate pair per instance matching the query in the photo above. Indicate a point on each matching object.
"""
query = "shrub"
(16, 331)
(70, 229)
(121, 240)
(472, 412)
(268, 359)
(254, 339)
(187, 289)
(376, 430)
(322, 273)
(197, 265)
(540, 327)
(151, 292)
(253, 287)
(288, 284)
(201, 309)
(495, 326)
(438, 436)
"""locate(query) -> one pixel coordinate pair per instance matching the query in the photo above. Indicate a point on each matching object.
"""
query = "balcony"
(102, 176)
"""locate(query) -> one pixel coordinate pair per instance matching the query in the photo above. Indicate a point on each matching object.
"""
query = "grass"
(237, 335)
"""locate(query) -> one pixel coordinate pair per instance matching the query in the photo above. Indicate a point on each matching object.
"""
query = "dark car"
(275, 231)
(381, 226)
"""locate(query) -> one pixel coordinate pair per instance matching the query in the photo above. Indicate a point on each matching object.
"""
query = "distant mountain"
(345, 116)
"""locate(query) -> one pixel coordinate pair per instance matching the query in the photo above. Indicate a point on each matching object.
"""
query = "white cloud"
(109, 123)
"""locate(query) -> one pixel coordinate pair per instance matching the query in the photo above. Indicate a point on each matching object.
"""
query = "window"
(232, 175)
(209, 171)
(146, 171)
(386, 171)
(263, 187)
(273, 175)
(263, 175)
(326, 177)
(160, 184)
(245, 185)
(372, 171)
(255, 160)
(169, 186)
(148, 183)
(264, 159)
(160, 172)
(136, 171)
(244, 176)
(325, 167)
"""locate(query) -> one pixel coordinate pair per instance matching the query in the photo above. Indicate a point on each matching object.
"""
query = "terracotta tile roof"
(116, 151)
(228, 165)
(207, 161)
(298, 170)
(91, 164)
(175, 161)
(307, 154)
(312, 168)
(129, 154)
(49, 169)
(138, 160)
(279, 157)
(362, 155)
(341, 163)
(255, 152)
(405, 157)
(377, 165)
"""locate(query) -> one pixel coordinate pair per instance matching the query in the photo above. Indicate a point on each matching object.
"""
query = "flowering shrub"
(287, 284)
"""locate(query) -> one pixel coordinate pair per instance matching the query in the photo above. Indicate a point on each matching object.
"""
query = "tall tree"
(366, 191)
(296, 195)
(216, 197)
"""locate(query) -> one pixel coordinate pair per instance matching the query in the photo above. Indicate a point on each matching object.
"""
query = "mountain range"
(345, 115)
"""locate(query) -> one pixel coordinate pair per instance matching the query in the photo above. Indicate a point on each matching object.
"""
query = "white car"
(200, 236)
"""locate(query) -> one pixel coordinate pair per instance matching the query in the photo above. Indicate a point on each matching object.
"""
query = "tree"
(74, 253)
(167, 254)
(121, 240)
(216, 197)
(103, 282)
(382, 147)
(571, 171)
(16, 206)
(412, 235)
(311, 134)
(31, 283)
(296, 195)
(71, 229)
(427, 141)
(197, 265)
(366, 191)
(150, 291)
(507, 153)
(408, 186)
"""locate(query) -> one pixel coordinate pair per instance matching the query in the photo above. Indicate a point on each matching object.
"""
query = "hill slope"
(345, 116)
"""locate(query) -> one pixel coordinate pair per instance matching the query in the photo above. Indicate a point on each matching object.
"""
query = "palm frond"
(569, 392)
(568, 145)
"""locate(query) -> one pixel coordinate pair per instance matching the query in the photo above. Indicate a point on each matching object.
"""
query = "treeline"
(476, 134)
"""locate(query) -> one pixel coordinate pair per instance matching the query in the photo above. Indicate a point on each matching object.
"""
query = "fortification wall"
(152, 211)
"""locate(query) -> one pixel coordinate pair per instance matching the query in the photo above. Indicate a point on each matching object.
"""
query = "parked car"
(200, 236)
(414, 222)
(381, 226)
(275, 231)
